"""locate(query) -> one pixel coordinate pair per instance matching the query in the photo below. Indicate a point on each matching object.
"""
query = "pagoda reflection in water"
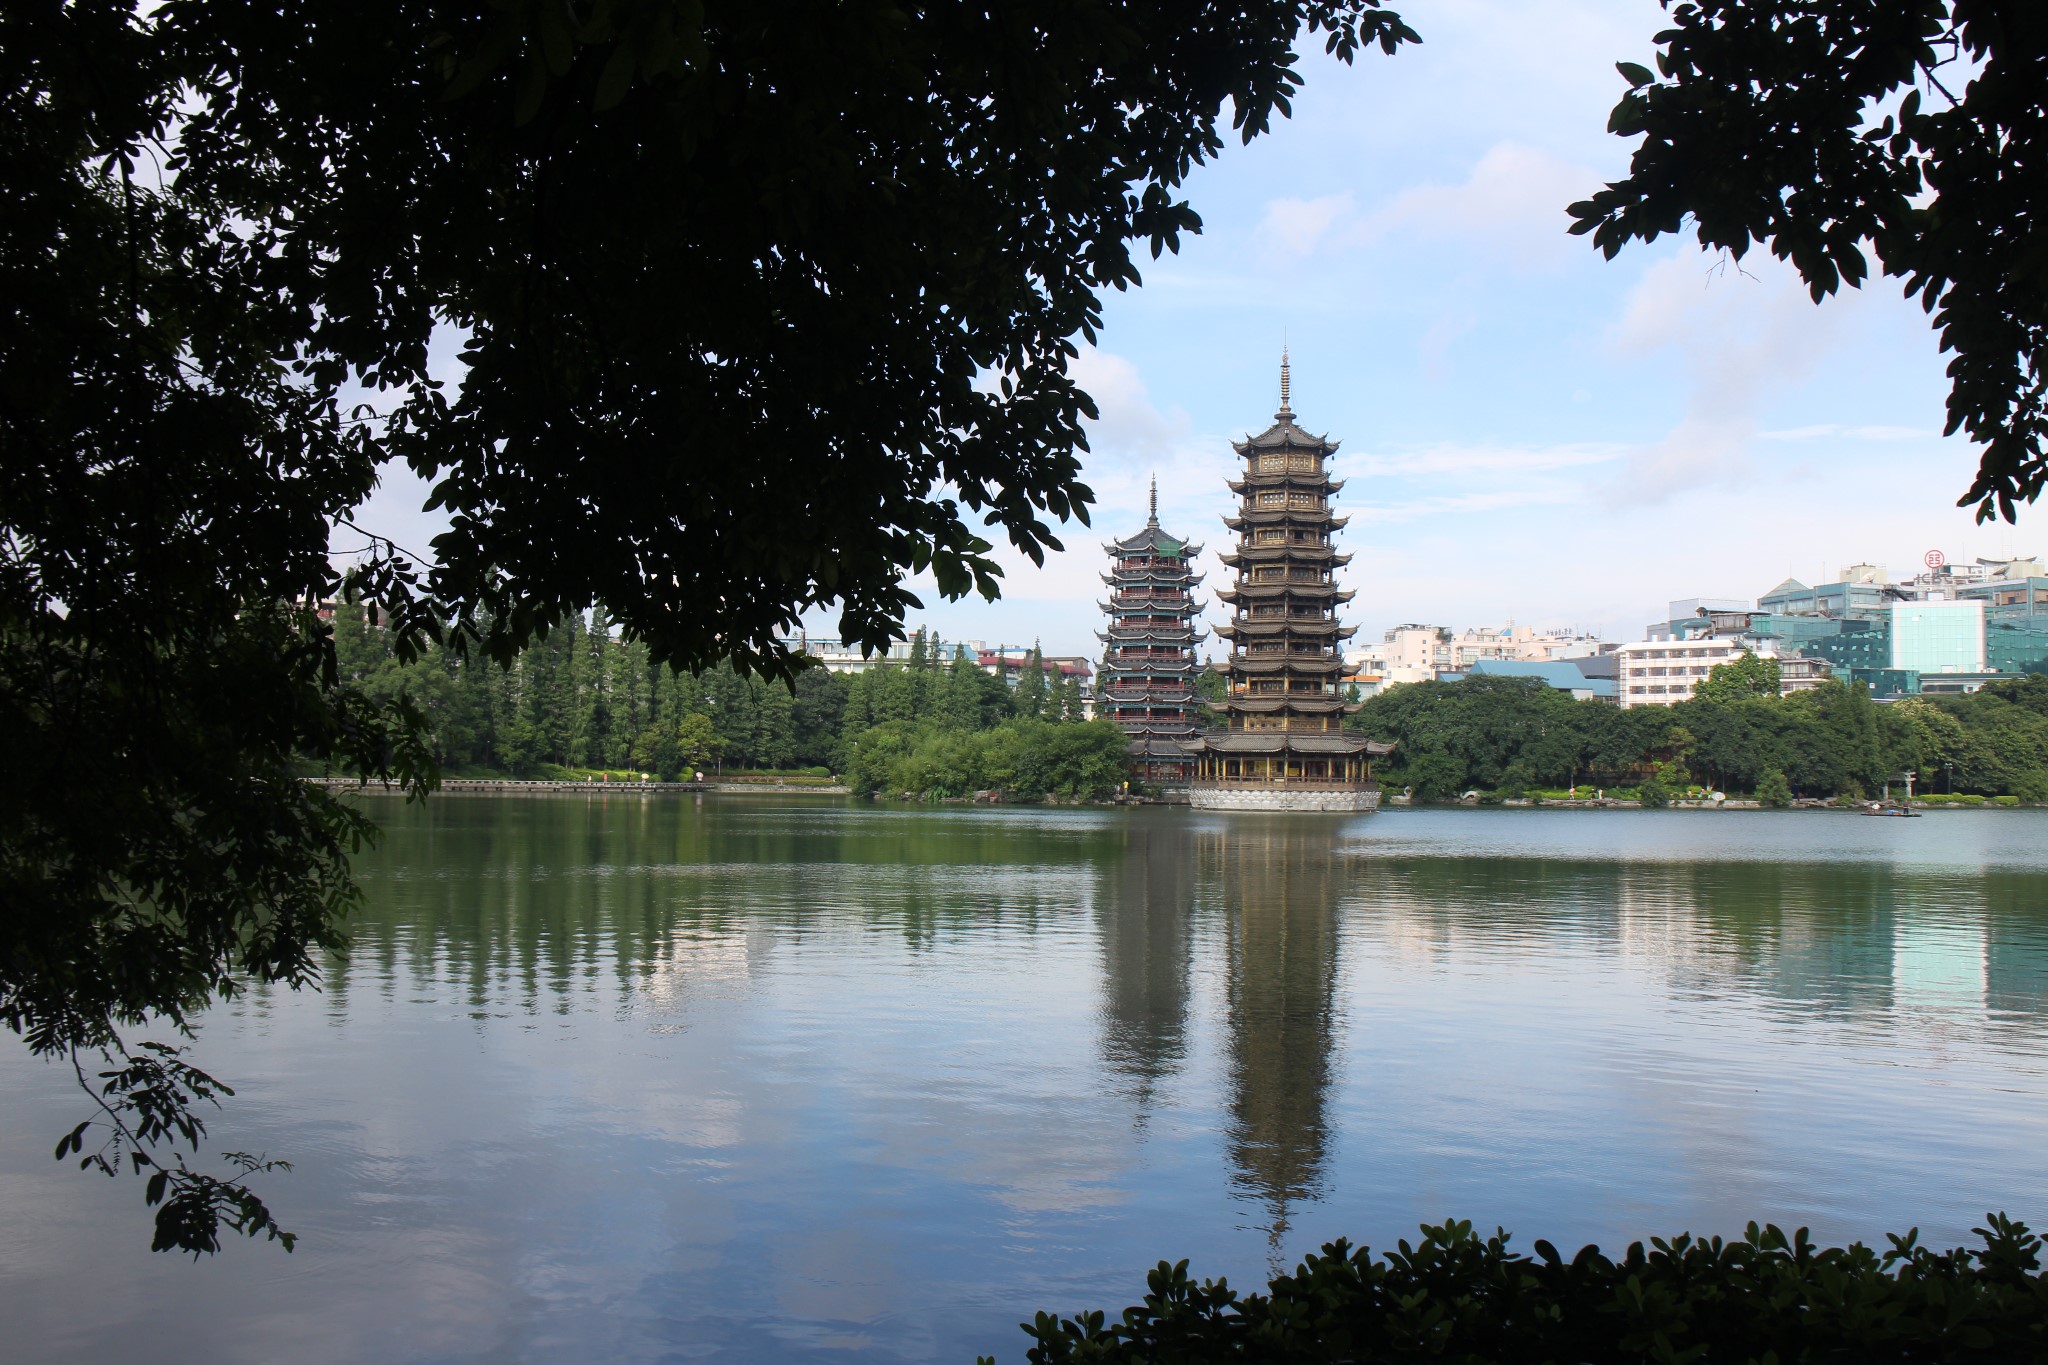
(1280, 888)
(1265, 892)
(1147, 915)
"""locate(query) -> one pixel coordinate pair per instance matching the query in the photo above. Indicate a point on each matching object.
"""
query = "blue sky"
(1529, 432)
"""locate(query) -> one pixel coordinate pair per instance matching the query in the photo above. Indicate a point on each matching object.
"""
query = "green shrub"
(1773, 791)
(2007, 801)
(1454, 1297)
(1653, 794)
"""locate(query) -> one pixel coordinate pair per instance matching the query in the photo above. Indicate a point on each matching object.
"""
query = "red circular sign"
(1934, 559)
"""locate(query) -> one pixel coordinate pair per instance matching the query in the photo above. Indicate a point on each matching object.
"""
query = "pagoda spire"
(1153, 520)
(1286, 413)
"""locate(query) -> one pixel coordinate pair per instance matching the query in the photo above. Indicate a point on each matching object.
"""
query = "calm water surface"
(772, 1079)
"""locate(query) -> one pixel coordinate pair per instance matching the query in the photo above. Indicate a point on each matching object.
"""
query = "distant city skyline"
(1528, 432)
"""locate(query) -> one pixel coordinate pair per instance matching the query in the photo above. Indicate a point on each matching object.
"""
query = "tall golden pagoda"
(1285, 747)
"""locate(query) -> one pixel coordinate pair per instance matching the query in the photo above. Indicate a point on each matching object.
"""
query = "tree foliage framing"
(761, 309)
(1822, 128)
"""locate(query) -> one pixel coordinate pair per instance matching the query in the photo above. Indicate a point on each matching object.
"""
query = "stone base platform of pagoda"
(1278, 796)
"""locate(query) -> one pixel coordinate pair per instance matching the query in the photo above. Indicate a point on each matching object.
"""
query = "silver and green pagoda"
(1147, 683)
(1285, 747)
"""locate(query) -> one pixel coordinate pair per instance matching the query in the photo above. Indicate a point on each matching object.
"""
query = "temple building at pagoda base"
(1253, 771)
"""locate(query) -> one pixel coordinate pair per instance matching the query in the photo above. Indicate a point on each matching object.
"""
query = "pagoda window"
(1272, 499)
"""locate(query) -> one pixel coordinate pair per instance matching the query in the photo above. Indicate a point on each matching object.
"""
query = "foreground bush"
(1765, 1299)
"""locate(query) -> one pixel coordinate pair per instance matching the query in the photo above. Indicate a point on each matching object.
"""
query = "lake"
(766, 1079)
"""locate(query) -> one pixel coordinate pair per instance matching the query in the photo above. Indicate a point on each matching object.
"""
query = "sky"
(1529, 432)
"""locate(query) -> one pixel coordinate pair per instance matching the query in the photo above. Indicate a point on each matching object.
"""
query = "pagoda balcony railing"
(1275, 694)
(1267, 618)
(1290, 656)
(1299, 784)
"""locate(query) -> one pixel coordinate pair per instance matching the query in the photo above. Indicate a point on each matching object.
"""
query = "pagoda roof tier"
(1266, 554)
(1155, 542)
(1290, 741)
(1267, 592)
(1286, 663)
(1284, 435)
(1164, 577)
(1151, 608)
(1318, 517)
(1302, 704)
(1287, 625)
(1319, 482)
(1142, 679)
(1181, 638)
(1161, 748)
(1161, 665)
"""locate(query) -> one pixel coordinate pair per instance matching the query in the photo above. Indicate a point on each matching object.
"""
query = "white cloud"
(1130, 429)
(1824, 430)
(1513, 202)
(1745, 333)
(1294, 227)
(1443, 461)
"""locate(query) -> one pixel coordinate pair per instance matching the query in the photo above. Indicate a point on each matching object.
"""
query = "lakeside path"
(511, 786)
(492, 786)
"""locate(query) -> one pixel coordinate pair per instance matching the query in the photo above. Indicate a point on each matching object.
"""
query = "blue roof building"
(1563, 674)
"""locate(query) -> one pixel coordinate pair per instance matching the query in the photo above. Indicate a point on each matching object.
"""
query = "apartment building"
(1416, 653)
(1665, 672)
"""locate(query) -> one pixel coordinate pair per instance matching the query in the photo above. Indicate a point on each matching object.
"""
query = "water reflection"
(642, 1079)
(1278, 881)
(1145, 915)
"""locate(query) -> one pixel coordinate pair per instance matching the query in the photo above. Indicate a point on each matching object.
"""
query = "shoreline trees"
(1506, 735)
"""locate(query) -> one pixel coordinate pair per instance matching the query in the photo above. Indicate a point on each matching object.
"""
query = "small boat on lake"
(1890, 808)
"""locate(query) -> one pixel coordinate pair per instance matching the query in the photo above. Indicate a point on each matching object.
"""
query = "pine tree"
(817, 713)
(894, 695)
(592, 737)
(958, 701)
(631, 697)
(1030, 694)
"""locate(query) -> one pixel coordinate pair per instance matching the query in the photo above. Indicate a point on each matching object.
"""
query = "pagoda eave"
(1288, 663)
(1240, 742)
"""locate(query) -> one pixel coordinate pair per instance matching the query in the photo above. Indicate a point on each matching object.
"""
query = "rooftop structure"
(1285, 747)
(1148, 661)
(1513, 642)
